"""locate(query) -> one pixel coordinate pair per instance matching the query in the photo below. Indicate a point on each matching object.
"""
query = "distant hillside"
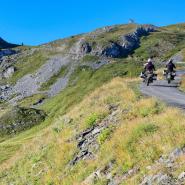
(5, 45)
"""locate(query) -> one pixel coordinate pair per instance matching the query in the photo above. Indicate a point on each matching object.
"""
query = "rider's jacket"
(150, 67)
(170, 66)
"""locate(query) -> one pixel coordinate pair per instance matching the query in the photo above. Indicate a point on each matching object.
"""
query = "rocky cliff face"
(128, 43)
(124, 45)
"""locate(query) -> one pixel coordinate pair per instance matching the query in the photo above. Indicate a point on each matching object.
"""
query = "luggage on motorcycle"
(174, 74)
(164, 72)
(170, 75)
(154, 76)
(142, 75)
(150, 77)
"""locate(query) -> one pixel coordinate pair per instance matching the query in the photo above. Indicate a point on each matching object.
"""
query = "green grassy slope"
(162, 44)
(81, 83)
(143, 132)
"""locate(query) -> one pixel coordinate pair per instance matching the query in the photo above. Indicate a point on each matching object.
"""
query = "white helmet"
(149, 60)
(170, 60)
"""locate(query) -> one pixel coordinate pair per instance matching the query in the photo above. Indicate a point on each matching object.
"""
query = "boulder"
(113, 50)
(7, 73)
(160, 178)
(181, 177)
(81, 48)
(85, 48)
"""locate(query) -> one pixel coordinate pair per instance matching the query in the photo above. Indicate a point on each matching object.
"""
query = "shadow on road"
(162, 85)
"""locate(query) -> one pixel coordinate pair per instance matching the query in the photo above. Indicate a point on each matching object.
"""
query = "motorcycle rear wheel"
(148, 82)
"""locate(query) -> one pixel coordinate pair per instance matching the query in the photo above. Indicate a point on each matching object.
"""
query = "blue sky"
(39, 21)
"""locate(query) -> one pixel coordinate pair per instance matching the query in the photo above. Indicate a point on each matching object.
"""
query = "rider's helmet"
(171, 60)
(149, 60)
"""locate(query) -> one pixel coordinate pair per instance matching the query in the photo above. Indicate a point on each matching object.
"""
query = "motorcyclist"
(148, 68)
(170, 66)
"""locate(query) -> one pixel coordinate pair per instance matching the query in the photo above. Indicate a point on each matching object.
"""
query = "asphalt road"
(168, 93)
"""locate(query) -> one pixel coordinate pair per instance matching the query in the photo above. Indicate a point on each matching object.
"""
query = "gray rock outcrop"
(30, 84)
(80, 48)
(87, 140)
(127, 43)
(169, 163)
(7, 73)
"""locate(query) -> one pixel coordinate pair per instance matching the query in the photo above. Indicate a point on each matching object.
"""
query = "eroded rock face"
(113, 50)
(30, 84)
(169, 163)
(7, 73)
(128, 42)
(81, 48)
(85, 48)
(5, 92)
(7, 59)
(102, 173)
(123, 47)
(106, 173)
(160, 178)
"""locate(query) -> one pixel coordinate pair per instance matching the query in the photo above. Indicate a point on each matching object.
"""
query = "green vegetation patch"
(32, 100)
(84, 80)
(19, 119)
(160, 44)
(93, 119)
(90, 58)
(150, 110)
(67, 42)
(175, 27)
(105, 134)
(7, 151)
(182, 84)
(145, 129)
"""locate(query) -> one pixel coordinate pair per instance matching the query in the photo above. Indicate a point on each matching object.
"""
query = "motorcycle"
(170, 75)
(148, 77)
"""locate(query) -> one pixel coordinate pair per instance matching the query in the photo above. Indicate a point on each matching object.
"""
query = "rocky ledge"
(125, 45)
(87, 140)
